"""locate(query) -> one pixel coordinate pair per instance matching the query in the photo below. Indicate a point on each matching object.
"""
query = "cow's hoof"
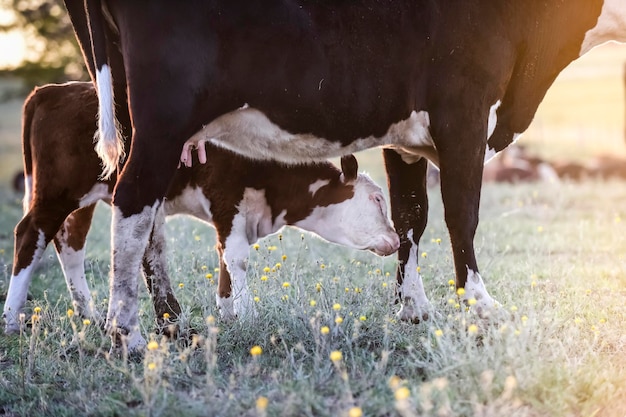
(127, 344)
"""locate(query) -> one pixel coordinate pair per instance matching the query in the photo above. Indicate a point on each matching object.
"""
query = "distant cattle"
(515, 164)
(451, 81)
(245, 201)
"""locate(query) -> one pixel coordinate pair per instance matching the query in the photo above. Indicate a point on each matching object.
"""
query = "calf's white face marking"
(266, 140)
(611, 26)
(360, 222)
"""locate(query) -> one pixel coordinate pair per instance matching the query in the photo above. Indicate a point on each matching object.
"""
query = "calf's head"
(359, 218)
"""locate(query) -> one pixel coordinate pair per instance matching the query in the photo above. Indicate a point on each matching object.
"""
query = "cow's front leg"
(461, 156)
(233, 296)
(166, 307)
(409, 211)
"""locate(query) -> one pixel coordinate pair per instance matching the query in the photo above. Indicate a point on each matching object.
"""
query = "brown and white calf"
(243, 199)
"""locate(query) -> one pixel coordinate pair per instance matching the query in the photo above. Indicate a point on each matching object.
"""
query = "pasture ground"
(552, 254)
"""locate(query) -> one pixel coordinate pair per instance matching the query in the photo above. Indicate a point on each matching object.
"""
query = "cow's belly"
(249, 132)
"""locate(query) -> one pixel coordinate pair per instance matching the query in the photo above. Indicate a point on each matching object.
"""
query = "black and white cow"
(451, 81)
(244, 200)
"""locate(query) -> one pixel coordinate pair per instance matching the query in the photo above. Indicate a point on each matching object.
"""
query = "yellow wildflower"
(355, 412)
(336, 355)
(402, 394)
(261, 403)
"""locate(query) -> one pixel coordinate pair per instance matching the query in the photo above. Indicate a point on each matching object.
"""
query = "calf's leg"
(233, 297)
(69, 243)
(32, 235)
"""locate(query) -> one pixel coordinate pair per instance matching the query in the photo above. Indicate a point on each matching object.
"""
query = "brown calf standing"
(245, 200)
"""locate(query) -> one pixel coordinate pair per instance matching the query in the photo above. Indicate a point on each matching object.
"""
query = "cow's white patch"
(317, 185)
(98, 192)
(475, 288)
(18, 288)
(415, 304)
(266, 140)
(493, 118)
(490, 152)
(611, 26)
(109, 147)
(129, 238)
(360, 222)
(28, 193)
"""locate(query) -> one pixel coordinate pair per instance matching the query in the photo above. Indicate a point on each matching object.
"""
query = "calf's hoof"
(414, 313)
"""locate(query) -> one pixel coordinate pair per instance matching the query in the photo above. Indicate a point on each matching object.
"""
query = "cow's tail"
(28, 112)
(108, 137)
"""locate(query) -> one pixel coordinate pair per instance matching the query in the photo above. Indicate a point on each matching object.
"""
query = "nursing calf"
(244, 200)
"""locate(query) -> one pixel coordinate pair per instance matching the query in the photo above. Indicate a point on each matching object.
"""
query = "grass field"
(552, 254)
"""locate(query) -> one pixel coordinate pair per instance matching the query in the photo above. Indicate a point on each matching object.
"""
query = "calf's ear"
(349, 167)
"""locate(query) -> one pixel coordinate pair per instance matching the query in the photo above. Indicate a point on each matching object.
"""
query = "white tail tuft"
(108, 137)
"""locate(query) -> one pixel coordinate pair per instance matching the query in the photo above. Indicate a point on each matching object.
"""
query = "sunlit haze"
(12, 49)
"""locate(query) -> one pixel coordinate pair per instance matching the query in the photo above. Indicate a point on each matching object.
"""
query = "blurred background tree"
(52, 52)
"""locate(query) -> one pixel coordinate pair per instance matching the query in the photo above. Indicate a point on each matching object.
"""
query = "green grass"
(553, 255)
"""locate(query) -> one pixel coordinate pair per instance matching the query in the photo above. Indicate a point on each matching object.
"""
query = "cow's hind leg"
(69, 243)
(32, 235)
(139, 193)
(409, 211)
(166, 307)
